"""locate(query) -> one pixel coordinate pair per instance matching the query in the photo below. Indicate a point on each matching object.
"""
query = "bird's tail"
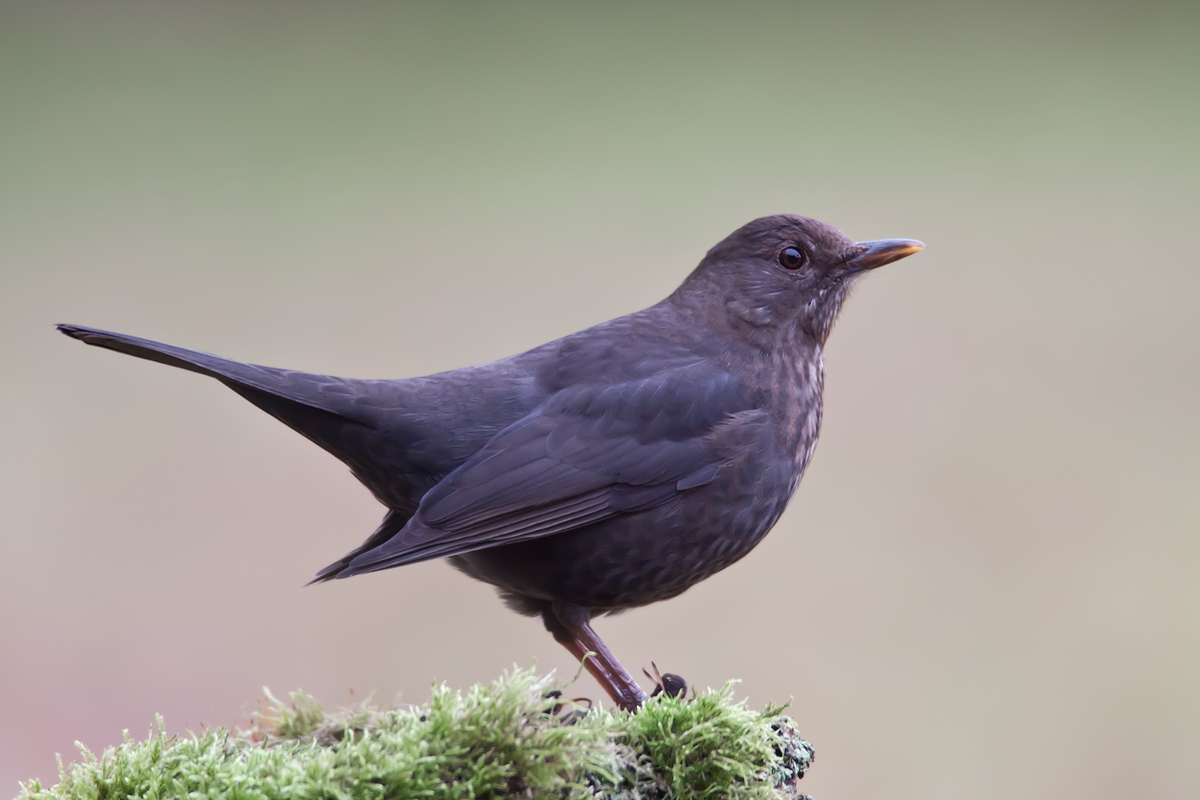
(173, 356)
(320, 407)
(295, 386)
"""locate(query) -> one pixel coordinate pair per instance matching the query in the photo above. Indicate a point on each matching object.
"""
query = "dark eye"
(792, 258)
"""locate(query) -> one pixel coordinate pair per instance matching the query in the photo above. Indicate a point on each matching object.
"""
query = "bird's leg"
(571, 626)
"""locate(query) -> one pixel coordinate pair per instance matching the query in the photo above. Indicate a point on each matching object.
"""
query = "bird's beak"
(876, 253)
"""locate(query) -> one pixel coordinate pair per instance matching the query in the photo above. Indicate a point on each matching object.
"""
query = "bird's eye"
(792, 258)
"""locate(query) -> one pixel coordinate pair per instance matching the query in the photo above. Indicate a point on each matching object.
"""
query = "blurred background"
(988, 584)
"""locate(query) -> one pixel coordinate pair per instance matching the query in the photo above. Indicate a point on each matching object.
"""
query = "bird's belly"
(640, 558)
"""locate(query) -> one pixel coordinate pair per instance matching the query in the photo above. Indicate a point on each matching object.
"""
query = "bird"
(609, 469)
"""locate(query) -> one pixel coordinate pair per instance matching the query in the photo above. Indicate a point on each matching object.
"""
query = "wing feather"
(587, 454)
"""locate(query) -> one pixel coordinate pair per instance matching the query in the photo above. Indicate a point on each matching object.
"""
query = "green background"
(989, 581)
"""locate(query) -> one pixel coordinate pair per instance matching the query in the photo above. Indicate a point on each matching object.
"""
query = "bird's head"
(785, 274)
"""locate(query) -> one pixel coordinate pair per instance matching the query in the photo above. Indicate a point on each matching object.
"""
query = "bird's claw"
(666, 683)
(572, 716)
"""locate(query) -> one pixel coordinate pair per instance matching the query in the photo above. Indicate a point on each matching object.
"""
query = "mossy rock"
(512, 738)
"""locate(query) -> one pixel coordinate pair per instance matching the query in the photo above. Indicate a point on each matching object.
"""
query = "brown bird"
(612, 468)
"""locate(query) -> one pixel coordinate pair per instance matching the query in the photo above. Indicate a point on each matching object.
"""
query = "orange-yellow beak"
(882, 251)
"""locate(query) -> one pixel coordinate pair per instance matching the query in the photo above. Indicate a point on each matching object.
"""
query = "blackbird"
(612, 468)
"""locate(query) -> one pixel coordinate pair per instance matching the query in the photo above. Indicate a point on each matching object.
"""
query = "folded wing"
(587, 454)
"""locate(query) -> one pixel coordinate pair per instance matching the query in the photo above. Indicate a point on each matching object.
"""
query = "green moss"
(505, 739)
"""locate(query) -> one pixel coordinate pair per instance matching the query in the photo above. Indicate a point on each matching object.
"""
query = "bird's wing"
(588, 453)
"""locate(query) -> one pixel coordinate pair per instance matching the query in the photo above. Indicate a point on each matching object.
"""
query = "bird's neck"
(748, 333)
(821, 311)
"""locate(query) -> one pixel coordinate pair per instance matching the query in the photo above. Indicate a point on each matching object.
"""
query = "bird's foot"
(666, 683)
(574, 714)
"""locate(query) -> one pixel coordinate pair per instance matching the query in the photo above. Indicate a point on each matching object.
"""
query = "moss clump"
(505, 739)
